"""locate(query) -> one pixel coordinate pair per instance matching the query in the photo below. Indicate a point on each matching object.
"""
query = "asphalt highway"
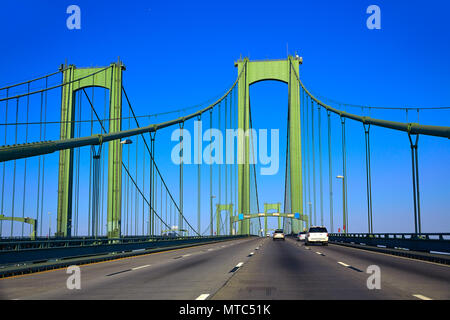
(253, 268)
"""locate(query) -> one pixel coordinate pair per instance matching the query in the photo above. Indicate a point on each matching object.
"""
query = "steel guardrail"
(17, 252)
(424, 242)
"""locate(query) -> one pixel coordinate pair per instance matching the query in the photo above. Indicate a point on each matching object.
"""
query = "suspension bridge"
(77, 158)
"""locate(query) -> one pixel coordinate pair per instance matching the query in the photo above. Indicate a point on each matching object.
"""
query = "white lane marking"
(240, 264)
(223, 246)
(186, 255)
(421, 297)
(343, 264)
(202, 296)
(137, 268)
(210, 249)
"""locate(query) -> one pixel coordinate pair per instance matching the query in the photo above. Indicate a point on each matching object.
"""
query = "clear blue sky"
(180, 53)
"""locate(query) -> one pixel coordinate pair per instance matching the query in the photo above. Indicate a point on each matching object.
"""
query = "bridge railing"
(424, 242)
(39, 251)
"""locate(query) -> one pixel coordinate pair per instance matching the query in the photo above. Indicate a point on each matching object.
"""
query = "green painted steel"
(302, 217)
(271, 206)
(219, 209)
(115, 154)
(243, 145)
(31, 221)
(253, 72)
(65, 170)
(109, 78)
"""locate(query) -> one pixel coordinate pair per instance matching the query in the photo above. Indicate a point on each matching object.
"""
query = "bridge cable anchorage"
(415, 178)
(368, 177)
(330, 170)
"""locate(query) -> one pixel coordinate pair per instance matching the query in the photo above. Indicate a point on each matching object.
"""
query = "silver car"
(301, 236)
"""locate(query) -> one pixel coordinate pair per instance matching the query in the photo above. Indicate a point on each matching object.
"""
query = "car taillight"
(326, 235)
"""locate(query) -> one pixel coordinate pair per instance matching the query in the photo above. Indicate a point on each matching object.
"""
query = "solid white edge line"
(202, 296)
(419, 296)
(343, 264)
(136, 268)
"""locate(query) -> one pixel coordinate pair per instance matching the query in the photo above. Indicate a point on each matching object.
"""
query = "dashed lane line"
(203, 296)
(137, 268)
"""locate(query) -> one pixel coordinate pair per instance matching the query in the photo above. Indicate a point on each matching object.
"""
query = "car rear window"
(318, 229)
(278, 231)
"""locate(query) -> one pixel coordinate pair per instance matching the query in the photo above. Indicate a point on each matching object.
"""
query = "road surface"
(253, 268)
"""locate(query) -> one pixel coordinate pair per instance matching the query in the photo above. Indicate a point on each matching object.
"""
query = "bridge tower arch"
(260, 70)
(109, 78)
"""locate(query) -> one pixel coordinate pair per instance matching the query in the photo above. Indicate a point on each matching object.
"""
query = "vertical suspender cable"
(344, 180)
(415, 177)
(226, 165)
(14, 173)
(136, 196)
(313, 147)
(368, 178)
(219, 173)
(38, 217)
(181, 176)
(320, 164)
(304, 153)
(143, 191)
(330, 170)
(199, 158)
(210, 175)
(308, 162)
(90, 208)
(3, 175)
(25, 167)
